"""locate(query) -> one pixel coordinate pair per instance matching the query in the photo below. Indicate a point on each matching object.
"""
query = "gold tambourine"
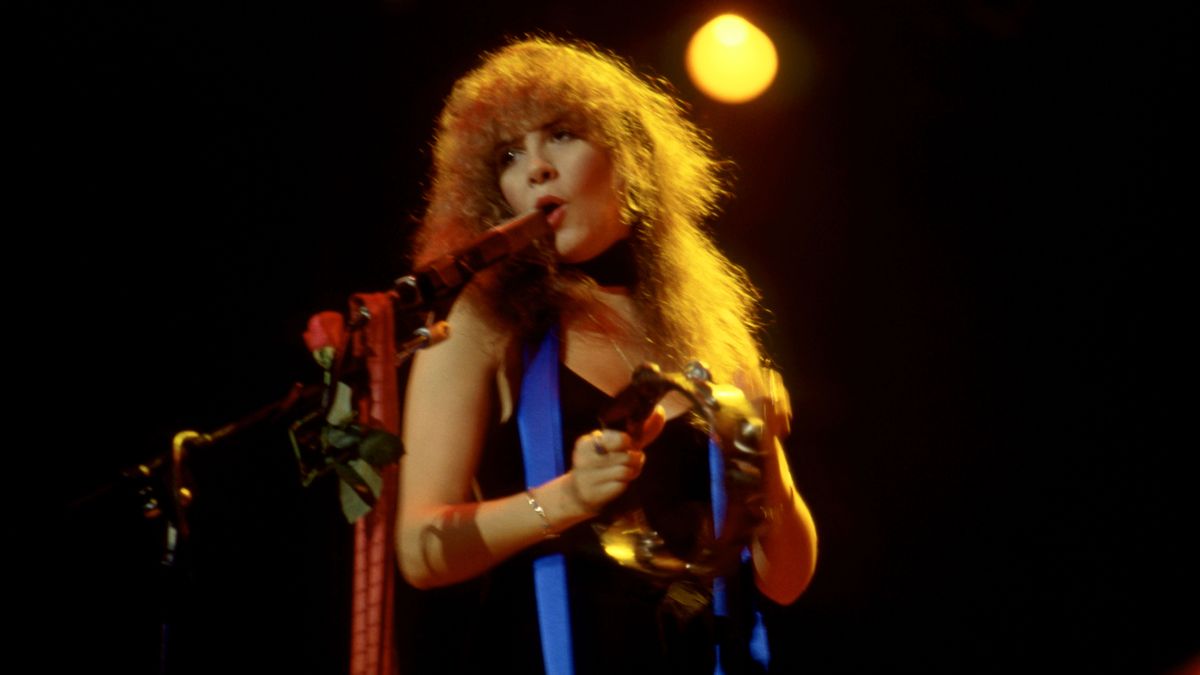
(732, 423)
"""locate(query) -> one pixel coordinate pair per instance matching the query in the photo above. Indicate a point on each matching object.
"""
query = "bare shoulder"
(453, 397)
(473, 352)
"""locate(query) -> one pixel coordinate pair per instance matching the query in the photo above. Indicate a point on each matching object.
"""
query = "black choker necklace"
(617, 266)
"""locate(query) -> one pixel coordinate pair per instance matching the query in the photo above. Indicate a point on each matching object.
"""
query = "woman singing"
(627, 276)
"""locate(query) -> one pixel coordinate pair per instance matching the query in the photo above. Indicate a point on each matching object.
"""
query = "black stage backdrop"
(961, 213)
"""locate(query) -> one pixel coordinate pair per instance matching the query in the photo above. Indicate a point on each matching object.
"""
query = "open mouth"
(548, 203)
(552, 207)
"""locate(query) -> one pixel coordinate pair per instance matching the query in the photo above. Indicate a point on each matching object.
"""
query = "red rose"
(325, 329)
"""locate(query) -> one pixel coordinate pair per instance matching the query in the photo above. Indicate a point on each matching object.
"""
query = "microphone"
(448, 274)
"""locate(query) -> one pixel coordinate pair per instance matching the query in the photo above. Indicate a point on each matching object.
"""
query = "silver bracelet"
(774, 511)
(547, 531)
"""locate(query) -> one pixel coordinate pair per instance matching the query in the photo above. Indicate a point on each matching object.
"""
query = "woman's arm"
(785, 554)
(442, 536)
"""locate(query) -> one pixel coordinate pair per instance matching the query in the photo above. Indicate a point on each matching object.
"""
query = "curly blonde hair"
(694, 300)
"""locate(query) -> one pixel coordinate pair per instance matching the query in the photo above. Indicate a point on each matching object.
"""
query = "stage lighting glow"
(731, 59)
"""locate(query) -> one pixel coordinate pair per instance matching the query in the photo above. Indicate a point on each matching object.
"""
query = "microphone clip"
(440, 281)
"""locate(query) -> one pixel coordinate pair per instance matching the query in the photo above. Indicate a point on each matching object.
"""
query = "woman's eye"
(563, 134)
(506, 157)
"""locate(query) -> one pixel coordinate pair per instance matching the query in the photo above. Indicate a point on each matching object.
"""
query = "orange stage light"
(731, 59)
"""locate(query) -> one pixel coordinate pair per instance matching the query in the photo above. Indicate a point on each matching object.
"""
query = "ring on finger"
(597, 445)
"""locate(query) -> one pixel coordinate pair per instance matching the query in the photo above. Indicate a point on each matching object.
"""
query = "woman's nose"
(540, 170)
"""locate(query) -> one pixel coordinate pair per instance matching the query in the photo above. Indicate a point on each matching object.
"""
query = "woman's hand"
(605, 462)
(776, 404)
(766, 392)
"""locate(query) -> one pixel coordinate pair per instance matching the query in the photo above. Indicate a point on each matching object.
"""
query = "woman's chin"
(573, 251)
(577, 257)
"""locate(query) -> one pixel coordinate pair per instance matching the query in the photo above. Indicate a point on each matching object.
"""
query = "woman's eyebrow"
(504, 143)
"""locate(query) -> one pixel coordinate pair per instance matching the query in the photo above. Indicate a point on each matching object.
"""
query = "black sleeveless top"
(621, 621)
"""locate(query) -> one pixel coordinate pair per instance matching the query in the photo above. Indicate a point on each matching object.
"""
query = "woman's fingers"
(603, 464)
(599, 444)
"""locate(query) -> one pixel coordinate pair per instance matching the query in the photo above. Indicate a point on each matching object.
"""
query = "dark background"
(963, 215)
